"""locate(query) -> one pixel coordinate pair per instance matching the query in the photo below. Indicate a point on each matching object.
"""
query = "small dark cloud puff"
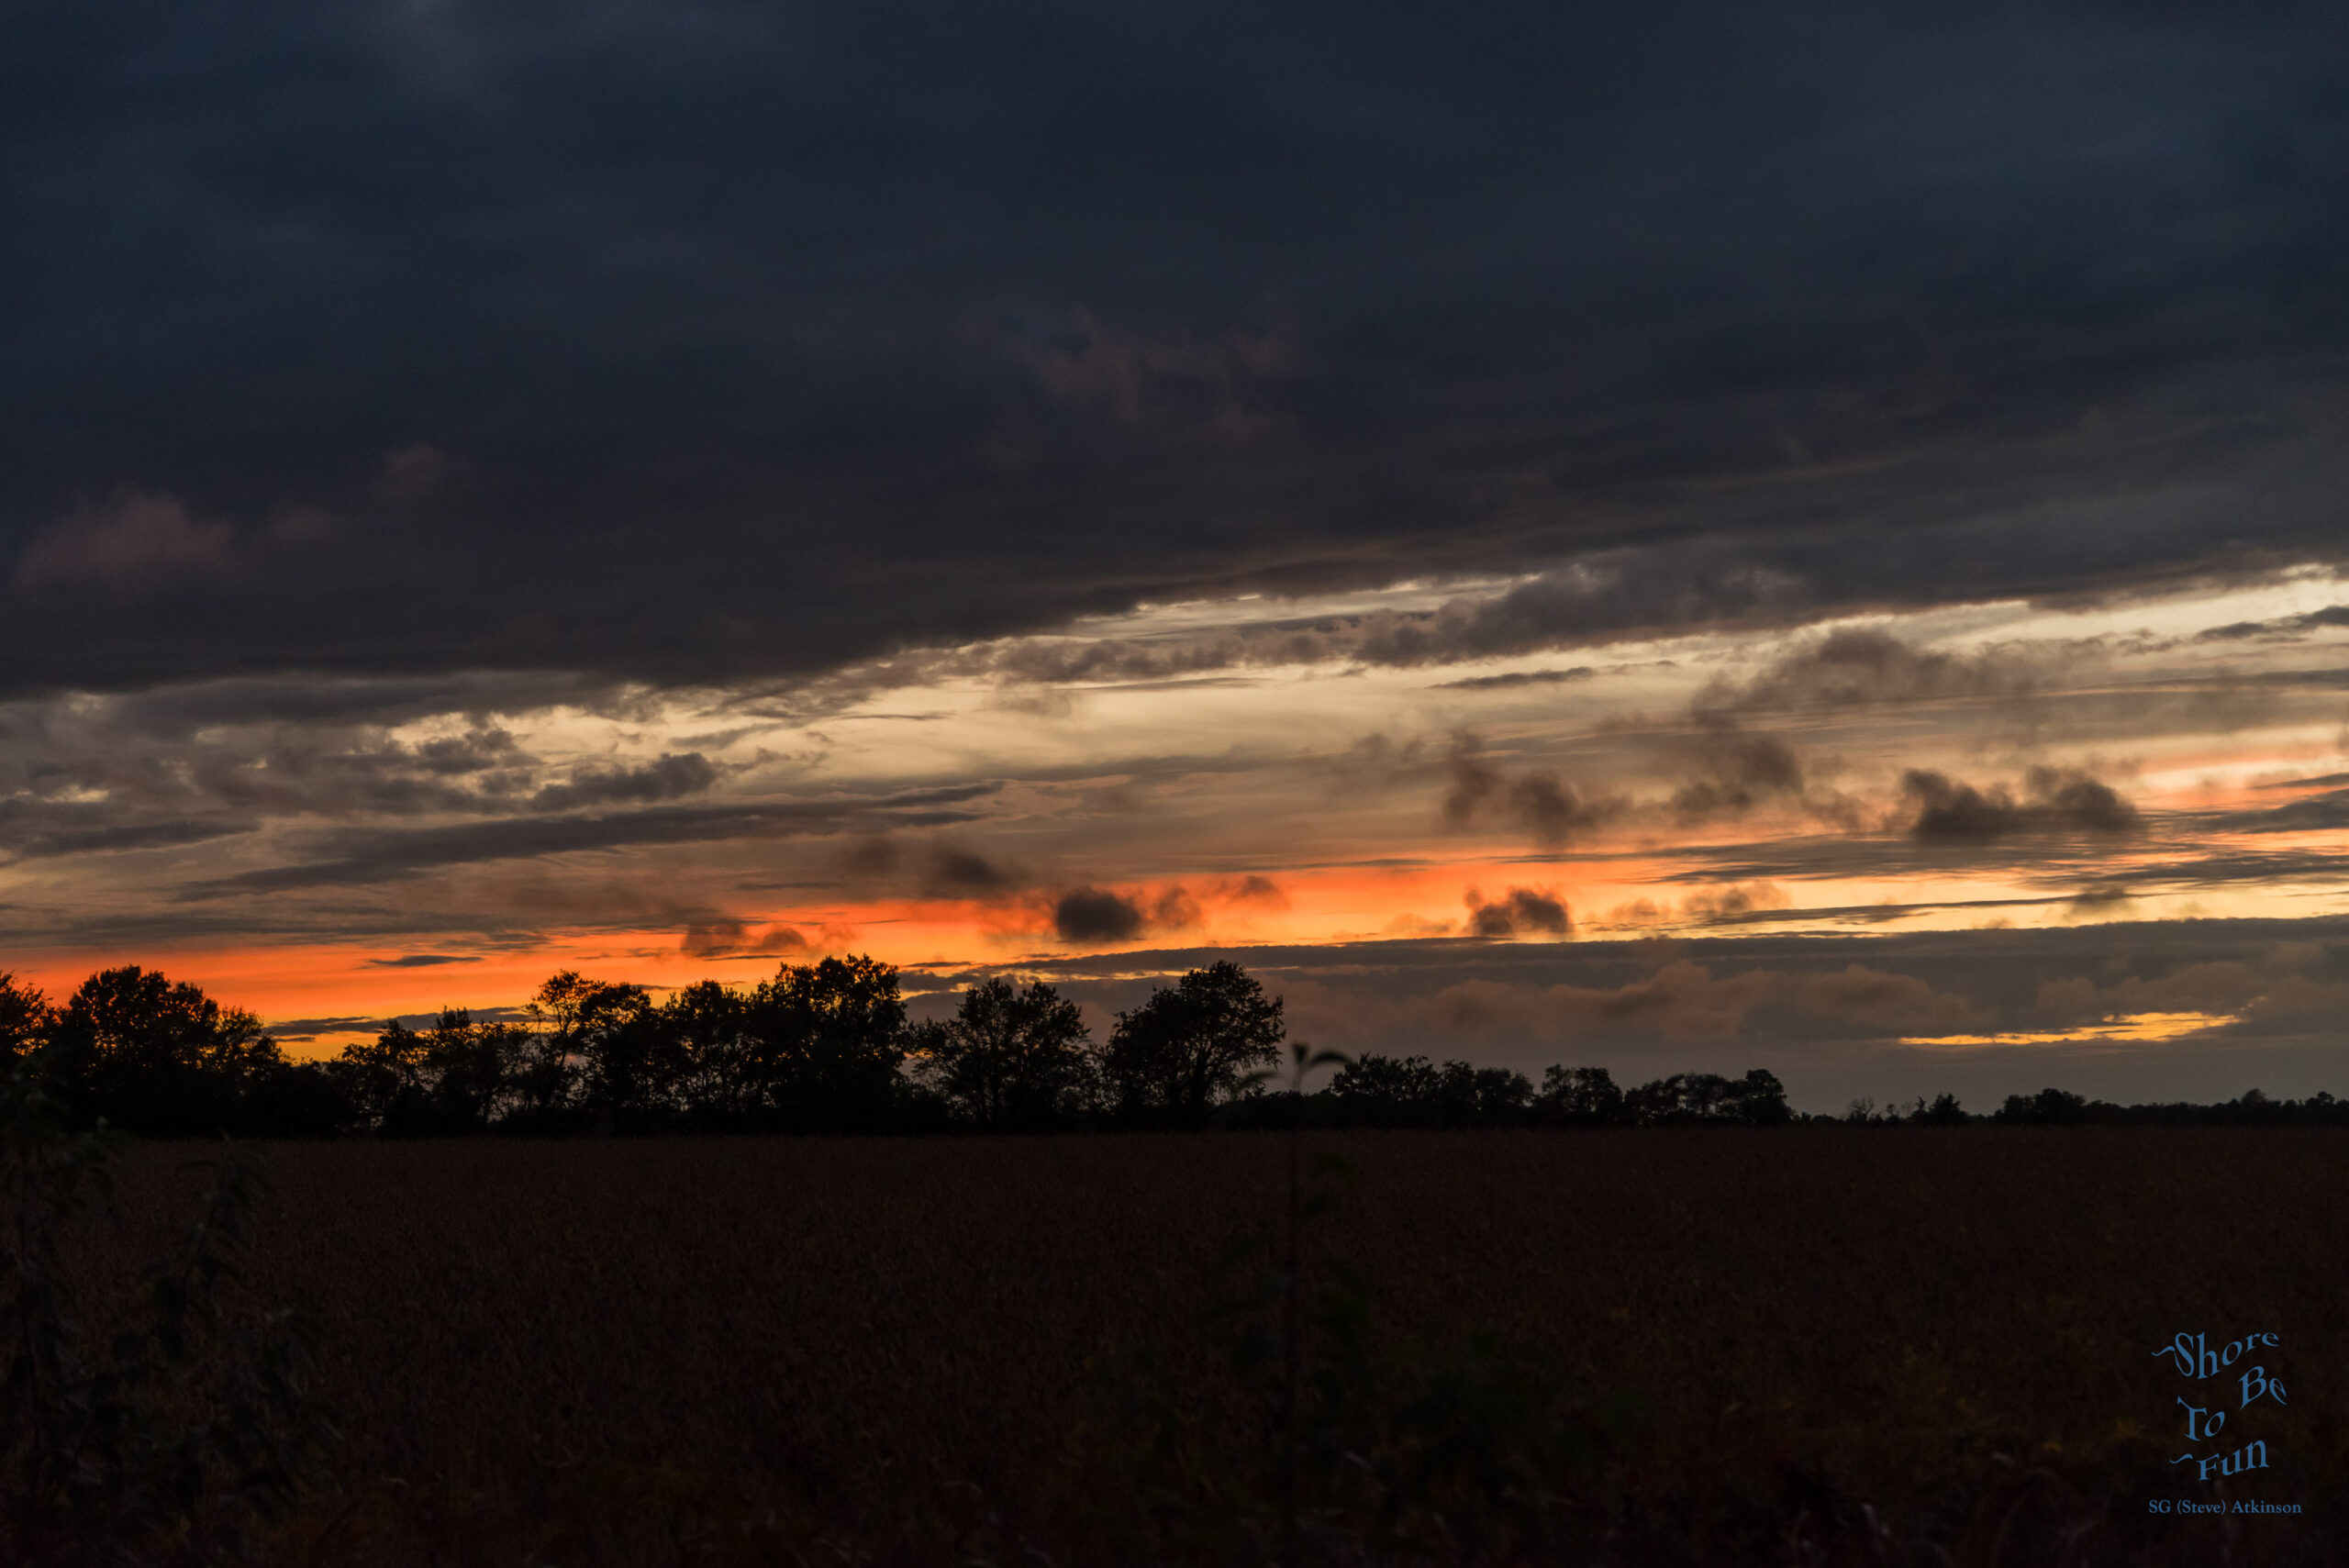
(1738, 773)
(726, 937)
(956, 871)
(2055, 801)
(1536, 799)
(2100, 901)
(1731, 903)
(478, 750)
(422, 961)
(1174, 908)
(1522, 910)
(1254, 888)
(1096, 915)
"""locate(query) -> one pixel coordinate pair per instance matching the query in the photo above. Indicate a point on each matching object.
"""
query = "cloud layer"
(713, 343)
(660, 485)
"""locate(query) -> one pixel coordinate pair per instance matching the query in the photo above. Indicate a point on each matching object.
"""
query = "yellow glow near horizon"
(2129, 1029)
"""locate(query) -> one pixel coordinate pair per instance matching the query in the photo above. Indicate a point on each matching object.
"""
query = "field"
(842, 1349)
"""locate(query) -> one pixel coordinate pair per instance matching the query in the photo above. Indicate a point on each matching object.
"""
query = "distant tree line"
(826, 1047)
(2060, 1108)
(829, 1048)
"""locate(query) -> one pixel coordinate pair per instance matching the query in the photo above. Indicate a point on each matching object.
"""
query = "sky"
(1672, 537)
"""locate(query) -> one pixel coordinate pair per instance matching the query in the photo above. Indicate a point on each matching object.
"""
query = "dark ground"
(609, 1351)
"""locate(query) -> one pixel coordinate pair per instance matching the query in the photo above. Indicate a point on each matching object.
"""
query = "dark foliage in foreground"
(827, 1048)
(166, 1428)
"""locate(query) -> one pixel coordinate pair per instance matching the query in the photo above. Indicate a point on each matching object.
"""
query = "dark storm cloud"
(179, 711)
(1851, 666)
(2318, 813)
(360, 856)
(77, 775)
(44, 843)
(710, 342)
(2287, 626)
(1517, 678)
(673, 774)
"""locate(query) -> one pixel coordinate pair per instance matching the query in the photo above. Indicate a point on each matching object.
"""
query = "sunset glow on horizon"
(1546, 539)
(955, 819)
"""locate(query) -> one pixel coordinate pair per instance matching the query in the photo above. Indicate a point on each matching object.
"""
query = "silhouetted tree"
(26, 1019)
(618, 1058)
(2049, 1108)
(825, 1042)
(547, 1077)
(297, 1099)
(1700, 1098)
(1580, 1096)
(154, 1057)
(474, 1070)
(454, 1078)
(1384, 1090)
(707, 1028)
(382, 1079)
(1010, 1060)
(1480, 1096)
(1191, 1044)
(1944, 1112)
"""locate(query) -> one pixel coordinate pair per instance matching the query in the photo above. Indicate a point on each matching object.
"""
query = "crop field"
(949, 1350)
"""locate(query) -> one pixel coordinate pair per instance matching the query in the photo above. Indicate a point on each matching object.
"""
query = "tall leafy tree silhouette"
(385, 1084)
(474, 1066)
(624, 1063)
(155, 1057)
(1193, 1044)
(706, 1027)
(1010, 1059)
(565, 1020)
(826, 1041)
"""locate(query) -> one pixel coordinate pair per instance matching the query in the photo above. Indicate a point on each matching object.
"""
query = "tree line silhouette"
(830, 1047)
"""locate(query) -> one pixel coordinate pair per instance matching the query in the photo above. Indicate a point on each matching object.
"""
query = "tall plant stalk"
(1303, 1058)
